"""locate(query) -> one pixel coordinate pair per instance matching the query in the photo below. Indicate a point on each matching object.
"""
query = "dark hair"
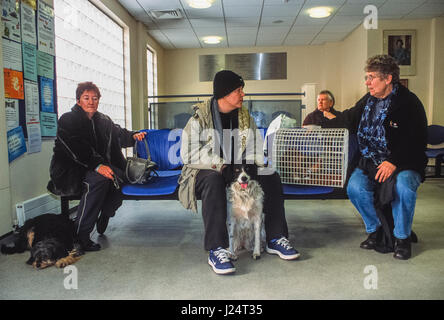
(383, 64)
(329, 95)
(86, 86)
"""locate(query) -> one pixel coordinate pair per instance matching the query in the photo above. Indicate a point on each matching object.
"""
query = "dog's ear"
(251, 169)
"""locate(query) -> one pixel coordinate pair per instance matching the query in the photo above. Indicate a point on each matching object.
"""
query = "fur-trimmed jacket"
(198, 145)
(81, 145)
(405, 129)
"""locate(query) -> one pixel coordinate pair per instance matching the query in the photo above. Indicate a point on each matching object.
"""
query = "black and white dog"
(245, 219)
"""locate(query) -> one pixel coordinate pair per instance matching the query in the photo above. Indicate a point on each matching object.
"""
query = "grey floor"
(153, 250)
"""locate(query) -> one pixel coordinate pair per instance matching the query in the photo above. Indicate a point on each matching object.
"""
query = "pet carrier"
(316, 157)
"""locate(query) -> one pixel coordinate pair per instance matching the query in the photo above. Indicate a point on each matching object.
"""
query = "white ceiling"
(249, 23)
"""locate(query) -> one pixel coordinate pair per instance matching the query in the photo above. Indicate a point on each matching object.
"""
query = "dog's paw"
(61, 263)
(256, 256)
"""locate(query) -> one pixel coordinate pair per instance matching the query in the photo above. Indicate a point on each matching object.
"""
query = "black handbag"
(139, 170)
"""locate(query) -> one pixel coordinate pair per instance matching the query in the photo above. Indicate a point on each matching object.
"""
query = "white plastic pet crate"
(316, 157)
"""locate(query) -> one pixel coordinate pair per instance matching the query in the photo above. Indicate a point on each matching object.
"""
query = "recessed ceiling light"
(200, 4)
(212, 39)
(319, 12)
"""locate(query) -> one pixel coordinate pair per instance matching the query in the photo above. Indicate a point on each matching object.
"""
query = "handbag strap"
(148, 154)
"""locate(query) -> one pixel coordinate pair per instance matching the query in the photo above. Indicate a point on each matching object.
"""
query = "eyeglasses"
(371, 78)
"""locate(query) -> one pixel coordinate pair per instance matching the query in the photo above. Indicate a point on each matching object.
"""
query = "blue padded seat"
(164, 145)
(293, 189)
(164, 148)
(158, 186)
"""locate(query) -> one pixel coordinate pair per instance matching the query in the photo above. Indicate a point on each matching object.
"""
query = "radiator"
(34, 207)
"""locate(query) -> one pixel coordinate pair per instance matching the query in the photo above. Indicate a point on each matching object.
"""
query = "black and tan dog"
(50, 238)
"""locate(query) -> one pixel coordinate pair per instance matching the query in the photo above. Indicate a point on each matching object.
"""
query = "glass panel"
(176, 114)
(265, 111)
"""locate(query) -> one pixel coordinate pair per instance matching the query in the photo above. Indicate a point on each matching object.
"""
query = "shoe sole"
(282, 256)
(221, 271)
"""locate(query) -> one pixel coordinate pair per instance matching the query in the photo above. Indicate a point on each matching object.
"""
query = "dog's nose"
(244, 178)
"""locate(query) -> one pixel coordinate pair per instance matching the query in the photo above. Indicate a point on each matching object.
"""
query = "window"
(152, 83)
(90, 47)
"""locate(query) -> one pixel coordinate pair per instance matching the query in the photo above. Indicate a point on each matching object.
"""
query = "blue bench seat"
(164, 146)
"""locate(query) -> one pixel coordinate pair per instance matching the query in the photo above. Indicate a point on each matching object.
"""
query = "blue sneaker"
(282, 248)
(220, 261)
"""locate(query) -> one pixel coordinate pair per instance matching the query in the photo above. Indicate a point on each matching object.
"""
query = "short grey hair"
(329, 95)
(385, 65)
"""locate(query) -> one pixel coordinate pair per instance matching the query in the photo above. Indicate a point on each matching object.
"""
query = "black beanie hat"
(225, 82)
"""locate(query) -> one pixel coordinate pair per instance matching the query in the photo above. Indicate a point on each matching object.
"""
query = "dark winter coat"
(81, 145)
(317, 118)
(405, 129)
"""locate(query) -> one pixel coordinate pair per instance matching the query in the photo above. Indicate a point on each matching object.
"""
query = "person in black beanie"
(206, 171)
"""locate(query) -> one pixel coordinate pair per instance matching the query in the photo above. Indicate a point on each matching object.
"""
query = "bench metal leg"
(438, 162)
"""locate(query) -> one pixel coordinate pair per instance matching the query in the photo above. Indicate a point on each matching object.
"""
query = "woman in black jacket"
(391, 126)
(87, 159)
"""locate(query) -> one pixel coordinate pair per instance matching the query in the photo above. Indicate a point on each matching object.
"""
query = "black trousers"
(211, 189)
(99, 195)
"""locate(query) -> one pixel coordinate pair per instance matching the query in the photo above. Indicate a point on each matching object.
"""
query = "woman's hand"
(105, 171)
(329, 115)
(139, 136)
(385, 170)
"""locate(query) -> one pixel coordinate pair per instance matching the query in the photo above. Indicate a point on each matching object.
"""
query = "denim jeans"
(360, 190)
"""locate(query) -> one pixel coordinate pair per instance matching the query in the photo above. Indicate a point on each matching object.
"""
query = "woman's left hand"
(385, 170)
(139, 136)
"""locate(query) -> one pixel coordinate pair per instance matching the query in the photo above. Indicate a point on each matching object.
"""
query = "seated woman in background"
(326, 101)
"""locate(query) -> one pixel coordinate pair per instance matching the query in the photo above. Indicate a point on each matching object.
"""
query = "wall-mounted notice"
(29, 33)
(46, 94)
(251, 66)
(29, 61)
(11, 19)
(48, 124)
(12, 55)
(45, 28)
(31, 101)
(12, 113)
(16, 143)
(13, 84)
(45, 65)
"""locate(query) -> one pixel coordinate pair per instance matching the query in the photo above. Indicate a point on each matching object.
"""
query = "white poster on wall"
(45, 28)
(29, 33)
(12, 113)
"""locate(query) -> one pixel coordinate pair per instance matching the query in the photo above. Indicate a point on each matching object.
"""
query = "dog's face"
(243, 173)
(45, 253)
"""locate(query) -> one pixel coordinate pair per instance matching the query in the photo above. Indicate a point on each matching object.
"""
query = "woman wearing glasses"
(87, 160)
(391, 126)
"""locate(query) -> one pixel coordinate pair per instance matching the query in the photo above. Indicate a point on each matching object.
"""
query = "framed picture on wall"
(401, 45)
